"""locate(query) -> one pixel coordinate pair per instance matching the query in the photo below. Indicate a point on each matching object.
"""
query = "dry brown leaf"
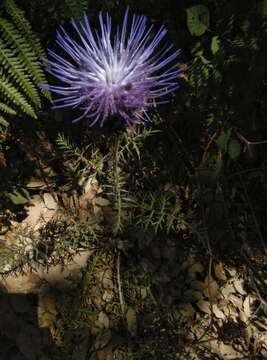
(21, 284)
(231, 271)
(144, 292)
(108, 296)
(187, 311)
(197, 285)
(242, 316)
(131, 321)
(260, 341)
(50, 201)
(58, 273)
(98, 213)
(192, 295)
(238, 285)
(91, 188)
(227, 289)
(236, 301)
(231, 312)
(249, 333)
(46, 310)
(225, 352)
(188, 353)
(103, 319)
(40, 211)
(100, 201)
(246, 306)
(211, 288)
(204, 306)
(220, 272)
(106, 278)
(102, 339)
(217, 312)
(189, 262)
(264, 353)
(103, 355)
(196, 268)
(36, 184)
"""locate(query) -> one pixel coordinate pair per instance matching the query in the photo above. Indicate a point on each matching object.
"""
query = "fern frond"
(7, 109)
(23, 50)
(12, 94)
(13, 66)
(3, 122)
(18, 17)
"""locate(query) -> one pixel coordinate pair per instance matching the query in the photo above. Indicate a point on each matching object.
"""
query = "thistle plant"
(121, 73)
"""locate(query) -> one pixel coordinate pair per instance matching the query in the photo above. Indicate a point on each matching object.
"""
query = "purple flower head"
(123, 72)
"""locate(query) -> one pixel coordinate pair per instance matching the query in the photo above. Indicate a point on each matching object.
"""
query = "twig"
(204, 156)
(117, 227)
(122, 303)
(248, 142)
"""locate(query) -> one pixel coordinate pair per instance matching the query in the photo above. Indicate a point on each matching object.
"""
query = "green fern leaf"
(24, 52)
(12, 94)
(7, 109)
(18, 17)
(3, 122)
(15, 69)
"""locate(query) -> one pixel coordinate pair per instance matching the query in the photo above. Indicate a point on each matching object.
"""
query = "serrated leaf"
(215, 45)
(198, 19)
(234, 149)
